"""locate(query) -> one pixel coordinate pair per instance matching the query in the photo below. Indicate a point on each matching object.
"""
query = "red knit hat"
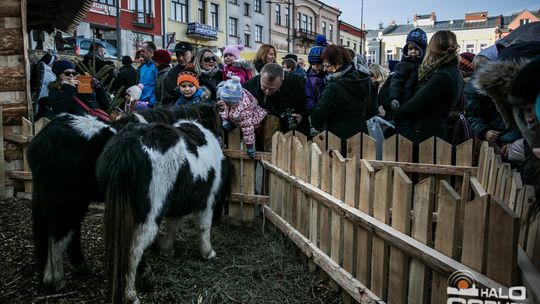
(162, 57)
(465, 62)
(188, 75)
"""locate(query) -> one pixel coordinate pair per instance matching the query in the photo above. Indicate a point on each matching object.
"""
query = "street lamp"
(289, 13)
(380, 36)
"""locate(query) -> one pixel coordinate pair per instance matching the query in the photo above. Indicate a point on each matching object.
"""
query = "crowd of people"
(433, 91)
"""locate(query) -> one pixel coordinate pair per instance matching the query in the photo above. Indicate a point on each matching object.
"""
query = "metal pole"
(380, 51)
(362, 28)
(289, 27)
(118, 32)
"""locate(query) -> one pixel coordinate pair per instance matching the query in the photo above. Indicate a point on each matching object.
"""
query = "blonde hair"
(379, 72)
(442, 43)
(261, 53)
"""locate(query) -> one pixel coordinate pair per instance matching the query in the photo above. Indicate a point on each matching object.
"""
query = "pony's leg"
(53, 275)
(143, 237)
(205, 223)
(75, 253)
(171, 225)
(145, 277)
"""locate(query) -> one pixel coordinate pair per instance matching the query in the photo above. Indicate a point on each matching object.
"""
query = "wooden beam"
(11, 41)
(12, 79)
(24, 175)
(249, 198)
(530, 277)
(432, 258)
(237, 154)
(424, 168)
(18, 138)
(351, 285)
(10, 8)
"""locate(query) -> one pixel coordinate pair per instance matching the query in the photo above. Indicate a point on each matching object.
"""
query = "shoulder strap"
(81, 103)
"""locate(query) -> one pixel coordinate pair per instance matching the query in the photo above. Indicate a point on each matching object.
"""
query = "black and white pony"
(62, 158)
(153, 171)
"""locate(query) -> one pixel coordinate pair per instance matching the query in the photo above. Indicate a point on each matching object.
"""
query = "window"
(348, 43)
(323, 26)
(524, 21)
(258, 33)
(179, 10)
(310, 24)
(214, 11)
(304, 22)
(108, 2)
(246, 9)
(201, 9)
(233, 27)
(143, 6)
(341, 41)
(389, 55)
(298, 20)
(233, 2)
(483, 46)
(278, 14)
(354, 46)
(287, 18)
(469, 48)
(258, 6)
(330, 32)
(247, 38)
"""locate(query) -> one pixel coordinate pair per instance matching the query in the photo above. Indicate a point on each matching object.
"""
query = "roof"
(452, 25)
(64, 15)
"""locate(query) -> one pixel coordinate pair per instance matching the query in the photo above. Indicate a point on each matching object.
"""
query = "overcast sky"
(376, 11)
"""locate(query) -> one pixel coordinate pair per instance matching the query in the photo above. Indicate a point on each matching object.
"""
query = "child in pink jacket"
(240, 108)
(234, 65)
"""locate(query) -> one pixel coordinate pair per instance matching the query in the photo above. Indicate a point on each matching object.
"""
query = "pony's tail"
(227, 178)
(114, 174)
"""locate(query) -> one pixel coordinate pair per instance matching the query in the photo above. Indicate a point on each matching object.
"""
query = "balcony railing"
(143, 19)
(305, 34)
(201, 31)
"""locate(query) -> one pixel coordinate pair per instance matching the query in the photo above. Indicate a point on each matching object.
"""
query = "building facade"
(139, 20)
(247, 23)
(294, 24)
(350, 36)
(518, 19)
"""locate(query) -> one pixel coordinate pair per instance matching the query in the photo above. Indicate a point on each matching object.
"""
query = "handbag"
(99, 113)
(459, 132)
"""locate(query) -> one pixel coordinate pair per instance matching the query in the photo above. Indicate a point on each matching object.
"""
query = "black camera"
(289, 119)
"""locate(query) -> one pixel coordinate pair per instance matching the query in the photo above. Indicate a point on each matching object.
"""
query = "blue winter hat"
(61, 65)
(316, 51)
(231, 91)
(419, 38)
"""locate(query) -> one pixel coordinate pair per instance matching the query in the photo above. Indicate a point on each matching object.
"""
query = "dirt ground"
(254, 265)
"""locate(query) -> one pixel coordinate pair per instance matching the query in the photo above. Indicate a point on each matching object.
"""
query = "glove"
(313, 132)
(394, 104)
(251, 151)
(227, 126)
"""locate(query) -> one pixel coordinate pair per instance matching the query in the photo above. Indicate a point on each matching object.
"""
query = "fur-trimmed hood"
(494, 79)
(242, 65)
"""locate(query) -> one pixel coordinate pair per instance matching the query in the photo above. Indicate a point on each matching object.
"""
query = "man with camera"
(284, 98)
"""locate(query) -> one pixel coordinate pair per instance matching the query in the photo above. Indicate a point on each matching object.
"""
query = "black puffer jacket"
(427, 111)
(342, 105)
(405, 79)
(483, 116)
(61, 99)
(211, 82)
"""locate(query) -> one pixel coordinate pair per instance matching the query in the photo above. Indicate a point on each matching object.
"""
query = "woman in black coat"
(439, 88)
(208, 71)
(342, 105)
(63, 91)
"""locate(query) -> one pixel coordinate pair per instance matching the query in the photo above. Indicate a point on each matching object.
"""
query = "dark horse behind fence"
(153, 171)
(62, 158)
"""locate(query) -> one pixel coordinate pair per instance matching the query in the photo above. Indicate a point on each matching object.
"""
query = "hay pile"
(253, 265)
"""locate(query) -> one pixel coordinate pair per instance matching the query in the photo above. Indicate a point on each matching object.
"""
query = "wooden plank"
(446, 238)
(493, 174)
(235, 208)
(401, 221)
(529, 276)
(27, 131)
(424, 168)
(320, 141)
(238, 154)
(369, 147)
(464, 153)
(11, 41)
(315, 166)
(354, 145)
(242, 197)
(421, 231)
(381, 212)
(389, 148)
(418, 250)
(275, 141)
(334, 142)
(365, 205)
(353, 287)
(40, 124)
(2, 162)
(284, 156)
(502, 243)
(515, 187)
(426, 150)
(482, 160)
(474, 246)
(521, 204)
(12, 78)
(488, 164)
(405, 149)
(443, 152)
(352, 174)
(10, 9)
(338, 191)
(533, 236)
(248, 187)
(301, 163)
(301, 137)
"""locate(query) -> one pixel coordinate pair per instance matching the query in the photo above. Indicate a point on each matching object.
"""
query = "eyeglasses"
(72, 74)
(210, 59)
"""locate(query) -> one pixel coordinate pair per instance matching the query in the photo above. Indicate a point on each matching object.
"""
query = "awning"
(48, 15)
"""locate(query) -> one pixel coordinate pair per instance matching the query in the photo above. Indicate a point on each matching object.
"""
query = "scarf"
(338, 74)
(211, 72)
(426, 70)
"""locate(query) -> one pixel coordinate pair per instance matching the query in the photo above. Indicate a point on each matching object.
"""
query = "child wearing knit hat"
(315, 76)
(188, 86)
(133, 104)
(240, 108)
(234, 65)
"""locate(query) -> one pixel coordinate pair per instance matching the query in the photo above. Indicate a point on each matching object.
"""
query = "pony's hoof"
(209, 256)
(146, 282)
(55, 286)
(166, 251)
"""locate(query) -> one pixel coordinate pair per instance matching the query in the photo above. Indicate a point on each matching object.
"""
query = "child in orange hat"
(188, 85)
